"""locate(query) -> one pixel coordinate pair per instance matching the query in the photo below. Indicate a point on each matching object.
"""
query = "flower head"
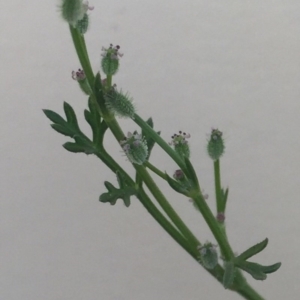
(135, 148)
(180, 144)
(112, 52)
(78, 75)
(208, 255)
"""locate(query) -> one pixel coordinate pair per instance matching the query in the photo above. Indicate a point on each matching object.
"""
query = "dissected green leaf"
(94, 119)
(254, 269)
(271, 269)
(70, 128)
(98, 90)
(71, 116)
(54, 117)
(65, 130)
(253, 250)
(113, 194)
(78, 148)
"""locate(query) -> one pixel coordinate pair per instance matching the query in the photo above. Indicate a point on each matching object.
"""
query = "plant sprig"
(105, 103)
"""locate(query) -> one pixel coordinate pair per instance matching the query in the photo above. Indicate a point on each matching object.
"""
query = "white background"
(191, 65)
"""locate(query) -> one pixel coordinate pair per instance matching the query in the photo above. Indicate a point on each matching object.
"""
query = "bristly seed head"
(119, 103)
(135, 147)
(208, 255)
(215, 146)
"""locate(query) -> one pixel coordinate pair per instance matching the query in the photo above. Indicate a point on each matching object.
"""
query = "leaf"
(94, 119)
(77, 148)
(88, 117)
(63, 130)
(254, 269)
(54, 117)
(271, 269)
(177, 186)
(74, 147)
(253, 250)
(191, 171)
(71, 116)
(70, 128)
(98, 90)
(114, 194)
(150, 142)
(225, 196)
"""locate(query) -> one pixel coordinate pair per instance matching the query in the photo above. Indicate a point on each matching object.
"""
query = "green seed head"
(73, 11)
(180, 144)
(120, 104)
(110, 59)
(135, 147)
(208, 255)
(215, 147)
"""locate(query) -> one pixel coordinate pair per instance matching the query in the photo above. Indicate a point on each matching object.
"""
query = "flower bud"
(178, 175)
(119, 104)
(110, 60)
(220, 217)
(80, 77)
(208, 255)
(135, 147)
(180, 144)
(215, 147)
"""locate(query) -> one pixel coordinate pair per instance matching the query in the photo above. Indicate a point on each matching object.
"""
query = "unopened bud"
(80, 77)
(220, 217)
(178, 175)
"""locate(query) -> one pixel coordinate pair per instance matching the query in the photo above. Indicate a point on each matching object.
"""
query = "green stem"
(166, 206)
(108, 82)
(152, 134)
(146, 201)
(82, 55)
(218, 188)
(249, 293)
(214, 227)
(155, 170)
